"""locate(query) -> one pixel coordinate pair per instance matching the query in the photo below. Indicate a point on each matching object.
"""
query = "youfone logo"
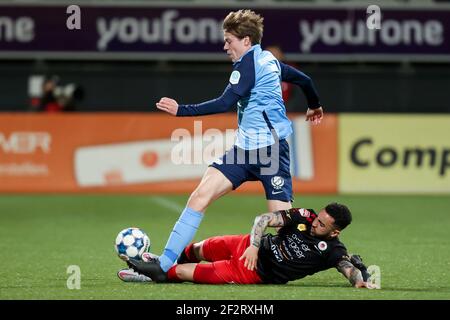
(331, 32)
(21, 30)
(168, 28)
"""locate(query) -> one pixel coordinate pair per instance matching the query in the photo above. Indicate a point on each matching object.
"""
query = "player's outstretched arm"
(292, 75)
(227, 100)
(353, 275)
(272, 219)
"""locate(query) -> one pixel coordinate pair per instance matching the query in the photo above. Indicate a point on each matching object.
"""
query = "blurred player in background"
(57, 97)
(306, 243)
(255, 86)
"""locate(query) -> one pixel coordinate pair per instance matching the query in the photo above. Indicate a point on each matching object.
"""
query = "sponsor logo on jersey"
(235, 76)
(276, 252)
(304, 213)
(305, 247)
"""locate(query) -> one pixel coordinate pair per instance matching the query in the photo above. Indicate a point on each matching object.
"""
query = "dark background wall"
(136, 86)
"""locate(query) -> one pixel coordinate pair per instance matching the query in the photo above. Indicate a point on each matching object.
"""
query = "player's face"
(323, 226)
(234, 46)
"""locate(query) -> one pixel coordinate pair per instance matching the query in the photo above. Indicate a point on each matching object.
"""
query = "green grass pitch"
(41, 235)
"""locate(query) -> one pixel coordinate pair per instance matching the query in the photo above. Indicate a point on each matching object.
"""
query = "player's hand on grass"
(314, 115)
(251, 257)
(367, 285)
(168, 105)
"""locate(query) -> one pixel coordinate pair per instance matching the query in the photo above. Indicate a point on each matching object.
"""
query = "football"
(132, 242)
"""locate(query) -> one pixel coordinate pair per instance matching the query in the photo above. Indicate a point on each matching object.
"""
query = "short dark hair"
(341, 214)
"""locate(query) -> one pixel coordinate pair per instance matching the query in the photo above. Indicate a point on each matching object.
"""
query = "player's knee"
(199, 200)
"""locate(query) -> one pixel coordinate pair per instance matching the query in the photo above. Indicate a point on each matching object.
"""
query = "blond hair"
(245, 23)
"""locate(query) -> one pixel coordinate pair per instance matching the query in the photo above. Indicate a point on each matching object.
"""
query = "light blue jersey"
(255, 87)
(256, 78)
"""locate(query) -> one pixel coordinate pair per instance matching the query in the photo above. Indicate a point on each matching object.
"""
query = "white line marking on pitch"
(168, 204)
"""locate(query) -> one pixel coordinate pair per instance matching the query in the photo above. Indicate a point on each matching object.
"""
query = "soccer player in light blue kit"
(255, 86)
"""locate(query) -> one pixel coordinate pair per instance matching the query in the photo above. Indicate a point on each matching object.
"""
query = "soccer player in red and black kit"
(305, 243)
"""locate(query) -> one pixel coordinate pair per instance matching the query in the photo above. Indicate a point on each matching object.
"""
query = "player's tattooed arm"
(272, 219)
(350, 272)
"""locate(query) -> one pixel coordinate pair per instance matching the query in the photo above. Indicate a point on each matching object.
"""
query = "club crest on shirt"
(235, 76)
(322, 246)
(277, 182)
(301, 227)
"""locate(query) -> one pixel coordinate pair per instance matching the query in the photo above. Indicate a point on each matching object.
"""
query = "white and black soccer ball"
(132, 242)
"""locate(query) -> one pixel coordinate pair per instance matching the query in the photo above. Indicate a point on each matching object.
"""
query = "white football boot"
(129, 275)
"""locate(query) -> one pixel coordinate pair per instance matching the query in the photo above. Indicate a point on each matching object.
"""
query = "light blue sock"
(182, 234)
